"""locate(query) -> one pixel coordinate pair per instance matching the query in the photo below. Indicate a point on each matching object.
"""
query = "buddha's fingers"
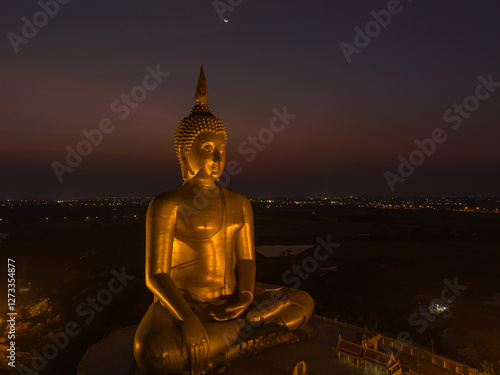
(226, 316)
(232, 309)
(203, 356)
(198, 354)
(266, 312)
(220, 317)
(198, 359)
(194, 360)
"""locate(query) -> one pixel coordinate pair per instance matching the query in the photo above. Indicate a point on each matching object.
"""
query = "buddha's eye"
(208, 148)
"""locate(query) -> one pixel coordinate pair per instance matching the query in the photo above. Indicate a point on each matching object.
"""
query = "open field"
(388, 266)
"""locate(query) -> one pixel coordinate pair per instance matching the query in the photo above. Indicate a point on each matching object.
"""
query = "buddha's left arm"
(245, 252)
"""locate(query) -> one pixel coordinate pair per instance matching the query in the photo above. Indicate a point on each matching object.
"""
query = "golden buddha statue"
(201, 266)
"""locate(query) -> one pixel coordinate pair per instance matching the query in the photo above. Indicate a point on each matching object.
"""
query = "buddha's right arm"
(160, 228)
(164, 288)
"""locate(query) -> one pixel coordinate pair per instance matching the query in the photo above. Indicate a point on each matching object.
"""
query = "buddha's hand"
(196, 339)
(233, 310)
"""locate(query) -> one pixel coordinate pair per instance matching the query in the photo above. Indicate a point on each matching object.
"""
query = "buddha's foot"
(265, 337)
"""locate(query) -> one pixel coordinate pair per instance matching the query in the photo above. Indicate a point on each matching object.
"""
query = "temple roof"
(381, 359)
(349, 347)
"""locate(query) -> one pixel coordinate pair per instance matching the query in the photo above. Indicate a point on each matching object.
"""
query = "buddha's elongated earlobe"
(187, 171)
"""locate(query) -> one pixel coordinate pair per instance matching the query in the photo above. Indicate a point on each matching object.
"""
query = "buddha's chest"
(205, 218)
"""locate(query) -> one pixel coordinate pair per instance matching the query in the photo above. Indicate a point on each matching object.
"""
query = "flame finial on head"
(201, 95)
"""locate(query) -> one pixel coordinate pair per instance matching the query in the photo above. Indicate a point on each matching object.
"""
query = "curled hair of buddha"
(201, 119)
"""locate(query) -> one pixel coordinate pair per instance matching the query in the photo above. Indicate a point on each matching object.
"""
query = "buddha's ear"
(183, 153)
(186, 167)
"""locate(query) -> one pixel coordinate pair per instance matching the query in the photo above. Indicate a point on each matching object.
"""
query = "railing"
(446, 363)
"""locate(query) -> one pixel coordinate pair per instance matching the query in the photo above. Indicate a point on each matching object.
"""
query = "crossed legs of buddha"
(159, 348)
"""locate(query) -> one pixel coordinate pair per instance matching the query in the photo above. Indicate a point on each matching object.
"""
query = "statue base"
(114, 355)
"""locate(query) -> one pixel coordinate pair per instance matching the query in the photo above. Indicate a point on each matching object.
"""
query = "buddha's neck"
(205, 184)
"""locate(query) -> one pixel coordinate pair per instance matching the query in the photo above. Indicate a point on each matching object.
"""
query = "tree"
(469, 354)
(488, 368)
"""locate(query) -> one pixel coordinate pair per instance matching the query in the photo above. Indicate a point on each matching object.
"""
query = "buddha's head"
(200, 139)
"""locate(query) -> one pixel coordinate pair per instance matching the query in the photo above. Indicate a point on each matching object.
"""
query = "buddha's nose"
(217, 156)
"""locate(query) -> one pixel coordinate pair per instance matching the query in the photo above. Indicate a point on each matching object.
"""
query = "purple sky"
(353, 119)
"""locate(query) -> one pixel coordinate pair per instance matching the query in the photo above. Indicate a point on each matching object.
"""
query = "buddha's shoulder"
(167, 199)
(236, 197)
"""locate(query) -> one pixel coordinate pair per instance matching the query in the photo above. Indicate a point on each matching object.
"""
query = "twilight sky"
(354, 121)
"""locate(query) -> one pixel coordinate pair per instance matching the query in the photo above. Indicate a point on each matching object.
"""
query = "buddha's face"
(207, 156)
